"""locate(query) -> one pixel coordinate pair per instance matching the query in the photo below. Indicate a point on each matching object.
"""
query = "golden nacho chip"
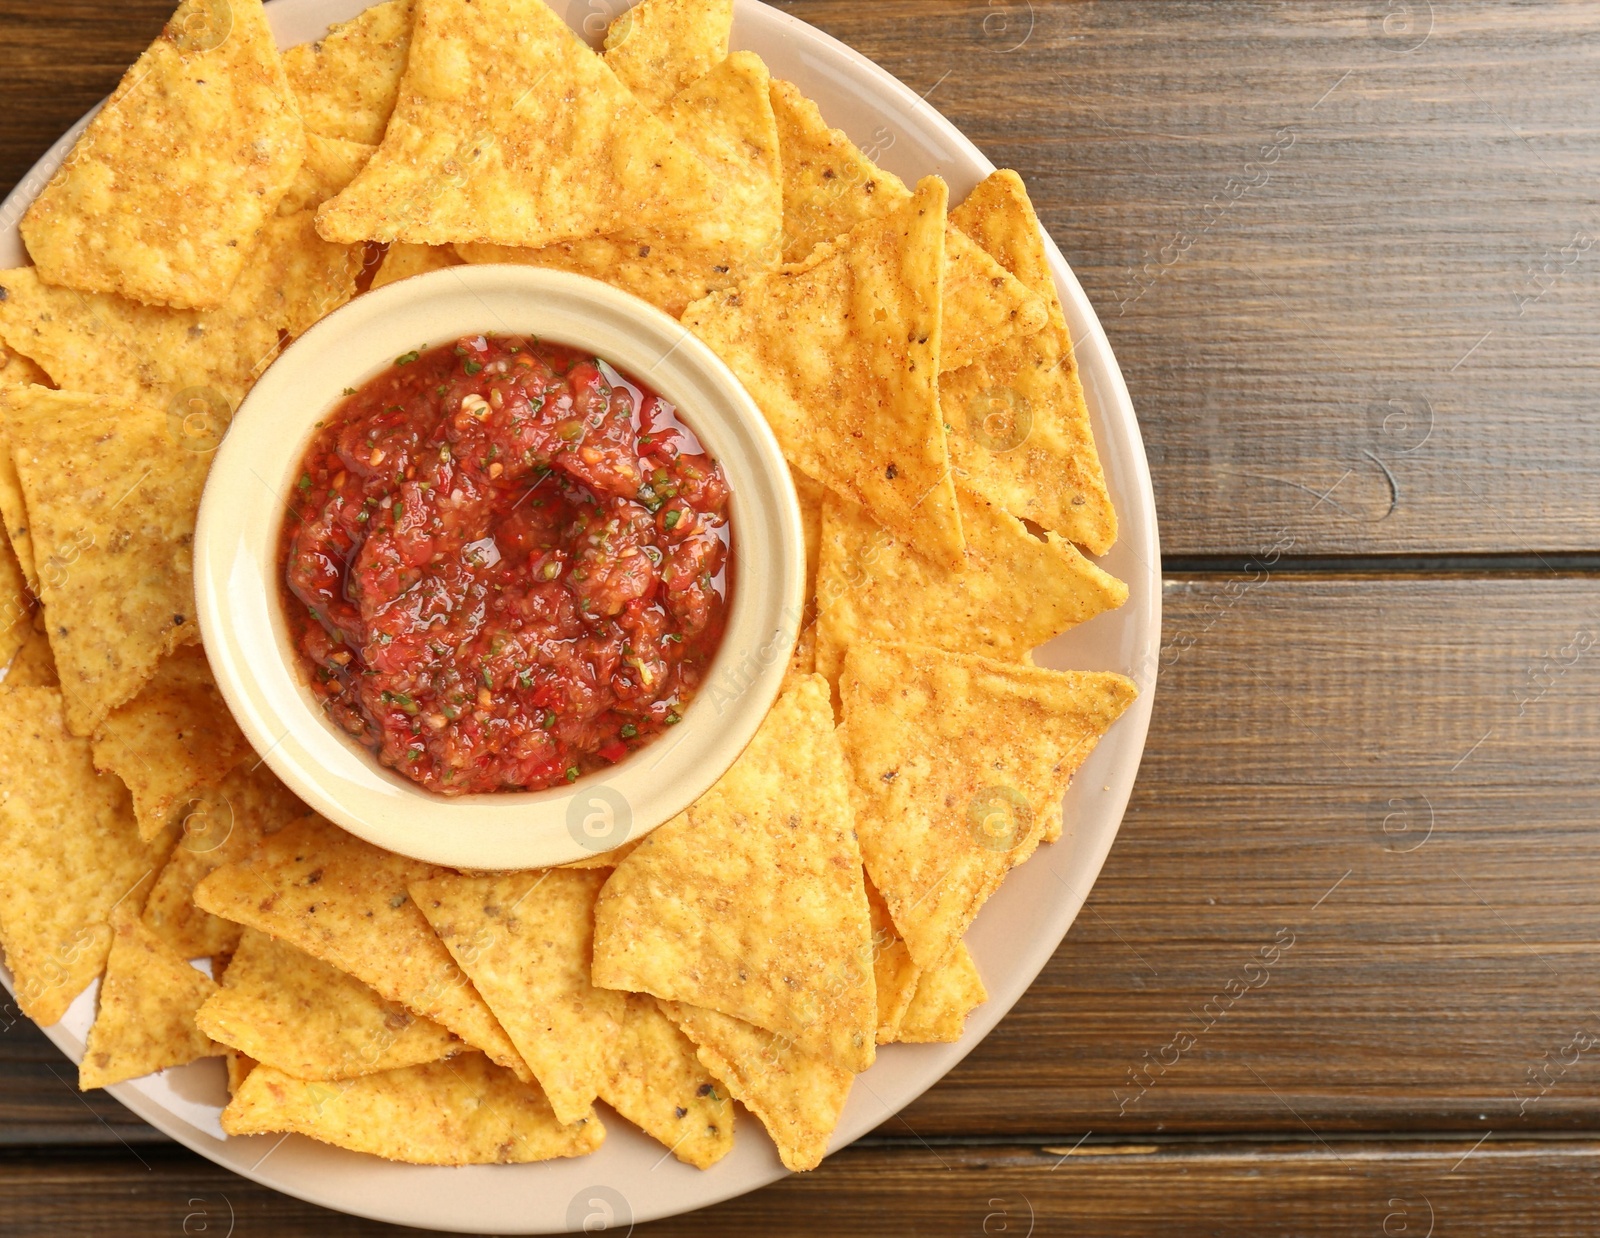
(1014, 592)
(283, 1008)
(171, 740)
(345, 83)
(309, 277)
(16, 605)
(221, 825)
(524, 939)
(830, 187)
(69, 853)
(509, 130)
(752, 902)
(239, 1067)
(841, 355)
(796, 1097)
(19, 371)
(812, 495)
(657, 1083)
(726, 119)
(403, 261)
(1019, 427)
(956, 762)
(148, 1001)
(463, 1112)
(163, 194)
(344, 901)
(895, 973)
(330, 165)
(14, 509)
(111, 499)
(945, 997)
(658, 47)
(33, 667)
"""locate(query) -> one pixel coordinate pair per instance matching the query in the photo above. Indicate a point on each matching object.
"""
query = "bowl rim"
(246, 635)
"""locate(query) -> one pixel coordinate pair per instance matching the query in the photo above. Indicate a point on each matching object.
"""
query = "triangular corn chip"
(726, 119)
(163, 194)
(841, 355)
(19, 371)
(463, 1112)
(239, 1067)
(148, 1001)
(310, 277)
(33, 667)
(796, 1097)
(1014, 592)
(1019, 427)
(525, 939)
(171, 740)
(508, 129)
(112, 499)
(280, 1006)
(657, 1083)
(895, 973)
(956, 761)
(69, 853)
(830, 187)
(751, 903)
(221, 825)
(945, 997)
(16, 604)
(346, 82)
(13, 507)
(344, 901)
(403, 261)
(658, 47)
(330, 165)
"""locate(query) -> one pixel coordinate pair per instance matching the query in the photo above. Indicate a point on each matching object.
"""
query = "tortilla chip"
(330, 165)
(895, 973)
(1014, 593)
(16, 604)
(403, 261)
(509, 130)
(33, 667)
(14, 508)
(956, 761)
(841, 355)
(239, 1067)
(148, 1001)
(752, 902)
(344, 901)
(812, 495)
(296, 1014)
(524, 939)
(830, 187)
(945, 997)
(346, 82)
(726, 119)
(163, 194)
(69, 853)
(657, 1083)
(1020, 433)
(221, 825)
(17, 371)
(797, 1098)
(174, 738)
(111, 503)
(309, 277)
(658, 47)
(464, 1112)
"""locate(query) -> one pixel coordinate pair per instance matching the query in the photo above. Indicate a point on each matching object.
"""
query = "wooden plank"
(1541, 1189)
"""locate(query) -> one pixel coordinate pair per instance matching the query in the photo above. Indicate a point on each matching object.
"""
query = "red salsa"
(506, 564)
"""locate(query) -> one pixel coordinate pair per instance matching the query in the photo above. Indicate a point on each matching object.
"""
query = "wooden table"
(1367, 374)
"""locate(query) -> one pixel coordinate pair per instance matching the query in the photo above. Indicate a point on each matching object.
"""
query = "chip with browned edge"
(346, 82)
(174, 738)
(344, 901)
(752, 903)
(524, 939)
(111, 498)
(656, 1081)
(796, 1097)
(509, 129)
(148, 1001)
(463, 1112)
(282, 1007)
(945, 997)
(1014, 592)
(1019, 427)
(162, 196)
(841, 354)
(657, 47)
(69, 853)
(956, 763)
